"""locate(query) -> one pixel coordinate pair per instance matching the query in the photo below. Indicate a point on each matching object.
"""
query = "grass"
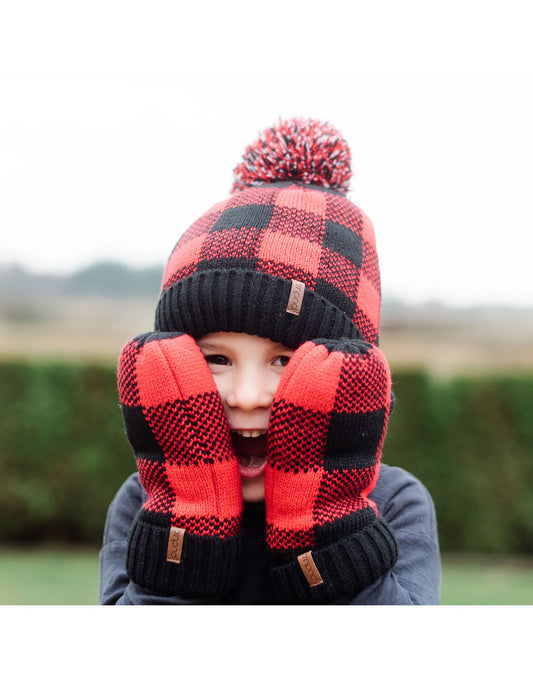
(48, 576)
(487, 581)
(62, 576)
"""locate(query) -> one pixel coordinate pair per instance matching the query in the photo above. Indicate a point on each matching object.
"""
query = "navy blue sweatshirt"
(401, 499)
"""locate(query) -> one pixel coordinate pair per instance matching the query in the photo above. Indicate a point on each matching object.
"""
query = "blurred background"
(119, 126)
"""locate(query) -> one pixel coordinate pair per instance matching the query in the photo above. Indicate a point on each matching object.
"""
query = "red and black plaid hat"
(287, 256)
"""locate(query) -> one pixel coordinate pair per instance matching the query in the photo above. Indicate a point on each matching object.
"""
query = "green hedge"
(63, 453)
(470, 440)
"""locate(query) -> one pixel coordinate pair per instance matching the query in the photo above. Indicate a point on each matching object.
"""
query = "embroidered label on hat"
(310, 570)
(175, 544)
(296, 297)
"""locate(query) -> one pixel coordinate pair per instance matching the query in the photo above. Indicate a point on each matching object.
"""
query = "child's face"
(246, 370)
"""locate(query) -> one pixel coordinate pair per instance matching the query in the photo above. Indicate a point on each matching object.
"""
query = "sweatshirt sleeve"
(115, 585)
(407, 506)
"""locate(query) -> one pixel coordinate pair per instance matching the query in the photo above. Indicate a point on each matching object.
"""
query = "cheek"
(222, 384)
(274, 381)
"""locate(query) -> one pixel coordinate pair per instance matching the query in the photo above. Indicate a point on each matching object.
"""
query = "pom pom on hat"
(304, 150)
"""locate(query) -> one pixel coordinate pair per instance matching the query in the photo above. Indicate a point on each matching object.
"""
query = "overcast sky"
(120, 124)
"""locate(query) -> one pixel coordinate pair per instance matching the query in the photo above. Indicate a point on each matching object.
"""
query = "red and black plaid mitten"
(186, 539)
(327, 426)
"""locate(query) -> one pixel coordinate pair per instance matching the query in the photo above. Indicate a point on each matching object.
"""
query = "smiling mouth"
(249, 433)
(250, 447)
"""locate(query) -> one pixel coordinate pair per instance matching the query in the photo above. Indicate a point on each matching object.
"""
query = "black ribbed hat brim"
(236, 300)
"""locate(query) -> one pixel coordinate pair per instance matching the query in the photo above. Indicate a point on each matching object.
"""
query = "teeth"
(250, 433)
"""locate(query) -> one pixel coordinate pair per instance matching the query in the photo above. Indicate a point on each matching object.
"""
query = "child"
(258, 407)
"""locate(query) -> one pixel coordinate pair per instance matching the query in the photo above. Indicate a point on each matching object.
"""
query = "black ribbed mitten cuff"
(209, 566)
(345, 567)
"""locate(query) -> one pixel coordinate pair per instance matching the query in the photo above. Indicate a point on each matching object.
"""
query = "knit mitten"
(186, 539)
(327, 426)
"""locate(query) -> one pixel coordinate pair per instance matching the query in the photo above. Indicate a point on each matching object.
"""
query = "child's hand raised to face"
(188, 529)
(327, 426)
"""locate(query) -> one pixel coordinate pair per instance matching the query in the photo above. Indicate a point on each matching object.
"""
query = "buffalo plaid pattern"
(176, 424)
(327, 427)
(276, 232)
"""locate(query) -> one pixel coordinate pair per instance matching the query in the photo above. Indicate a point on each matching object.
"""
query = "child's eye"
(217, 359)
(281, 361)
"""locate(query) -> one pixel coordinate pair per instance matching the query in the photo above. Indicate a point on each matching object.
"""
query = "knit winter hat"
(287, 256)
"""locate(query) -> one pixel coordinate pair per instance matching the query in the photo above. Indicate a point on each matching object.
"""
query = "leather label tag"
(310, 570)
(175, 544)
(296, 297)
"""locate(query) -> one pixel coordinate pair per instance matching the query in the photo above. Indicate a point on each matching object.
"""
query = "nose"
(251, 389)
